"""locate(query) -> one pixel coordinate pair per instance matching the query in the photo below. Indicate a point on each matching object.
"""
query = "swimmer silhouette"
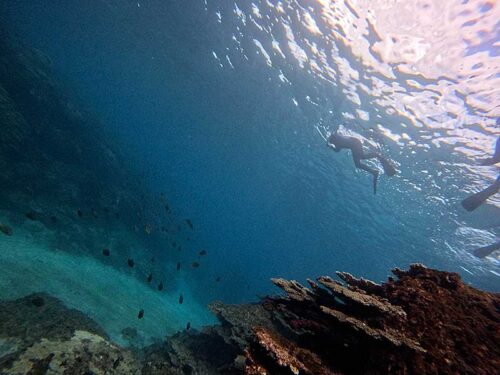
(475, 200)
(338, 142)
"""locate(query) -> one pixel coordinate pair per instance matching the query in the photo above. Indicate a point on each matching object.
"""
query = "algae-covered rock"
(84, 353)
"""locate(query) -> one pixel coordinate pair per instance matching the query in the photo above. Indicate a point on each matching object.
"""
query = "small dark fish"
(150, 277)
(160, 286)
(31, 215)
(179, 248)
(203, 252)
(195, 264)
(5, 229)
(188, 326)
(217, 279)
(106, 252)
(140, 315)
(53, 219)
(79, 213)
(106, 210)
(174, 244)
(181, 299)
(167, 208)
(117, 215)
(130, 262)
(152, 259)
(178, 266)
(189, 222)
(38, 301)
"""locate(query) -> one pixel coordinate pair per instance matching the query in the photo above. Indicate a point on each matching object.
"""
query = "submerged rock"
(83, 353)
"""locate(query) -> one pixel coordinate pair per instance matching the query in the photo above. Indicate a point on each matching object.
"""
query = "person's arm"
(332, 146)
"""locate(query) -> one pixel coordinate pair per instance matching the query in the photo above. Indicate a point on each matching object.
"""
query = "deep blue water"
(236, 148)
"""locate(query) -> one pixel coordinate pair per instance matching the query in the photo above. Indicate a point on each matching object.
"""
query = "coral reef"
(421, 322)
(424, 322)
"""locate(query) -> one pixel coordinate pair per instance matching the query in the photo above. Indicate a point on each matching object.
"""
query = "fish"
(106, 252)
(148, 228)
(53, 219)
(188, 326)
(189, 222)
(38, 301)
(31, 215)
(150, 277)
(203, 252)
(5, 229)
(117, 215)
(174, 244)
(181, 299)
(217, 279)
(179, 248)
(79, 213)
(130, 262)
(167, 208)
(178, 266)
(152, 259)
(160, 286)
(141, 314)
(195, 264)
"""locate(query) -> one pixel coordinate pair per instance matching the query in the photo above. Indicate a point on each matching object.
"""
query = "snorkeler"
(338, 142)
(475, 200)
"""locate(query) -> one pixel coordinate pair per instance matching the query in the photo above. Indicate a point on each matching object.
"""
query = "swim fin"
(486, 250)
(389, 169)
(475, 200)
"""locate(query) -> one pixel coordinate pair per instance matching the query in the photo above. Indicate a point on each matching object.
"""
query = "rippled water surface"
(222, 105)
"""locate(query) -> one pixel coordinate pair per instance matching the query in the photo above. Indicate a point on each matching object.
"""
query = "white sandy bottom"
(108, 296)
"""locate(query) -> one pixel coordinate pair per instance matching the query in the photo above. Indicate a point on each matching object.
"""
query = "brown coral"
(424, 322)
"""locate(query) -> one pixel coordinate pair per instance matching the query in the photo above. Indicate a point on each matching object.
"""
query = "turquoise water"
(220, 105)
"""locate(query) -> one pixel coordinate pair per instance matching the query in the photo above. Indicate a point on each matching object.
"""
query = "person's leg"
(496, 155)
(373, 172)
(388, 167)
(475, 200)
(369, 155)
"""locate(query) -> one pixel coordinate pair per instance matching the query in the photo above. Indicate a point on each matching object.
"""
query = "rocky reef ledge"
(423, 321)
